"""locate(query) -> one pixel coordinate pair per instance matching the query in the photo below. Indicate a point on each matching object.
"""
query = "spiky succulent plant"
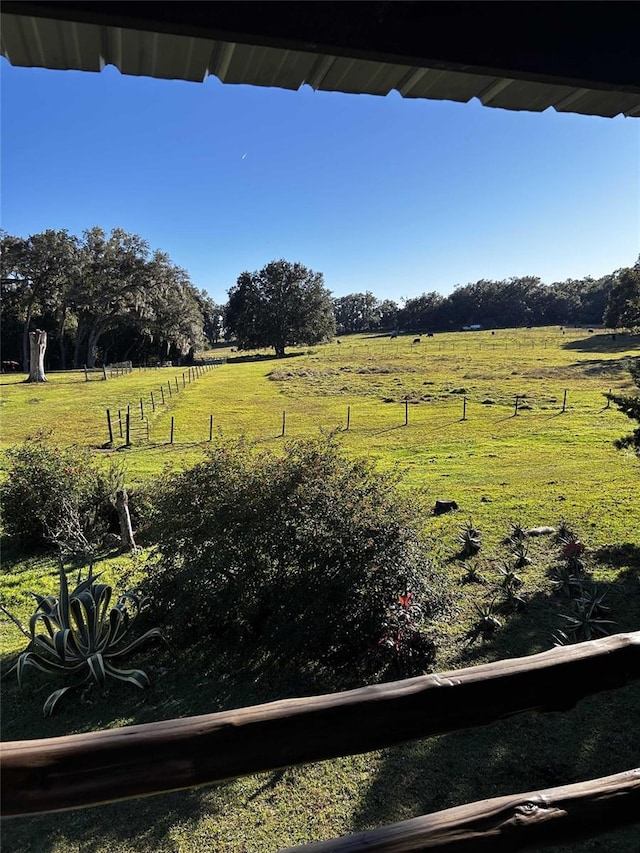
(470, 539)
(83, 635)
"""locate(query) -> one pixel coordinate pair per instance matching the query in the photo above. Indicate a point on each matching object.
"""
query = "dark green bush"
(48, 488)
(297, 558)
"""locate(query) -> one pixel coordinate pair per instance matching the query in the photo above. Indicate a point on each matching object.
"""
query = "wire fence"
(138, 424)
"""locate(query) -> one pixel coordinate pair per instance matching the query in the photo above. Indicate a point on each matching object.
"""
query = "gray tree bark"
(37, 349)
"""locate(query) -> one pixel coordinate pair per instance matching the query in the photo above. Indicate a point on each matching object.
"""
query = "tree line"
(109, 297)
(101, 297)
(613, 300)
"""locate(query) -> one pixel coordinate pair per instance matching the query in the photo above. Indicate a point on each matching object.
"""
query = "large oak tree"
(281, 305)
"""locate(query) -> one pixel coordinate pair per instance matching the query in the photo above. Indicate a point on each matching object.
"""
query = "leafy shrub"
(404, 648)
(45, 486)
(298, 557)
(84, 635)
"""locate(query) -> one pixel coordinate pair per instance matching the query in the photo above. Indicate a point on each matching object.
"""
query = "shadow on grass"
(144, 823)
(609, 342)
(625, 555)
(178, 688)
(242, 359)
(606, 367)
(528, 752)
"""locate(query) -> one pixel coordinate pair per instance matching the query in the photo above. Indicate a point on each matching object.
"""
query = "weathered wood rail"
(87, 769)
(514, 822)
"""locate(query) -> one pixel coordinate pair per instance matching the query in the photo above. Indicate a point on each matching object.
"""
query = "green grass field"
(535, 468)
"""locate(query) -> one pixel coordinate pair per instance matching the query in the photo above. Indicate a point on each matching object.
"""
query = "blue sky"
(383, 194)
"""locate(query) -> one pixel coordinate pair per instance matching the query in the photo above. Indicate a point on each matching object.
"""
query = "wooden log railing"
(88, 769)
(514, 822)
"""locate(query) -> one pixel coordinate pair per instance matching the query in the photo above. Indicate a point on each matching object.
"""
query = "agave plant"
(470, 539)
(519, 552)
(586, 622)
(472, 574)
(512, 600)
(510, 580)
(486, 625)
(509, 589)
(83, 635)
(564, 532)
(518, 534)
(566, 581)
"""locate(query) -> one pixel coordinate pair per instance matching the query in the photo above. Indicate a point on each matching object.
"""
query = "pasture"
(541, 463)
(404, 403)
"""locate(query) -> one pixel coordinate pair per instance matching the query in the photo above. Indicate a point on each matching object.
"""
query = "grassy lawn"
(534, 468)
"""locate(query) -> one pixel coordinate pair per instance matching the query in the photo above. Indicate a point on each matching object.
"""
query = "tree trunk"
(126, 530)
(25, 339)
(38, 346)
(91, 348)
(77, 350)
(61, 341)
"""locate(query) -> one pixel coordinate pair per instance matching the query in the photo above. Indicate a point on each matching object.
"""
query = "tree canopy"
(623, 305)
(102, 296)
(281, 305)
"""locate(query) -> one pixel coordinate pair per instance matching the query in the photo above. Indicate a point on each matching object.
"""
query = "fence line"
(87, 769)
(144, 430)
(469, 407)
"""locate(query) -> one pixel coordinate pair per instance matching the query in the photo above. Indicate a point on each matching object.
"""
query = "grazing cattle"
(338, 342)
(429, 334)
(493, 333)
(590, 331)
(10, 366)
(416, 340)
(394, 334)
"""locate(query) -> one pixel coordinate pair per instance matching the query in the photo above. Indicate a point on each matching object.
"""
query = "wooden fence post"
(169, 387)
(608, 399)
(128, 440)
(141, 410)
(348, 417)
(564, 401)
(284, 422)
(109, 425)
(210, 427)
(153, 403)
(406, 411)
(86, 374)
(184, 382)
(120, 421)
(176, 378)
(464, 408)
(104, 372)
(515, 412)
(171, 439)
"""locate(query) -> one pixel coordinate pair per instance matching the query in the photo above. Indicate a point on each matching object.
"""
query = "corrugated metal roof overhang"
(62, 44)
